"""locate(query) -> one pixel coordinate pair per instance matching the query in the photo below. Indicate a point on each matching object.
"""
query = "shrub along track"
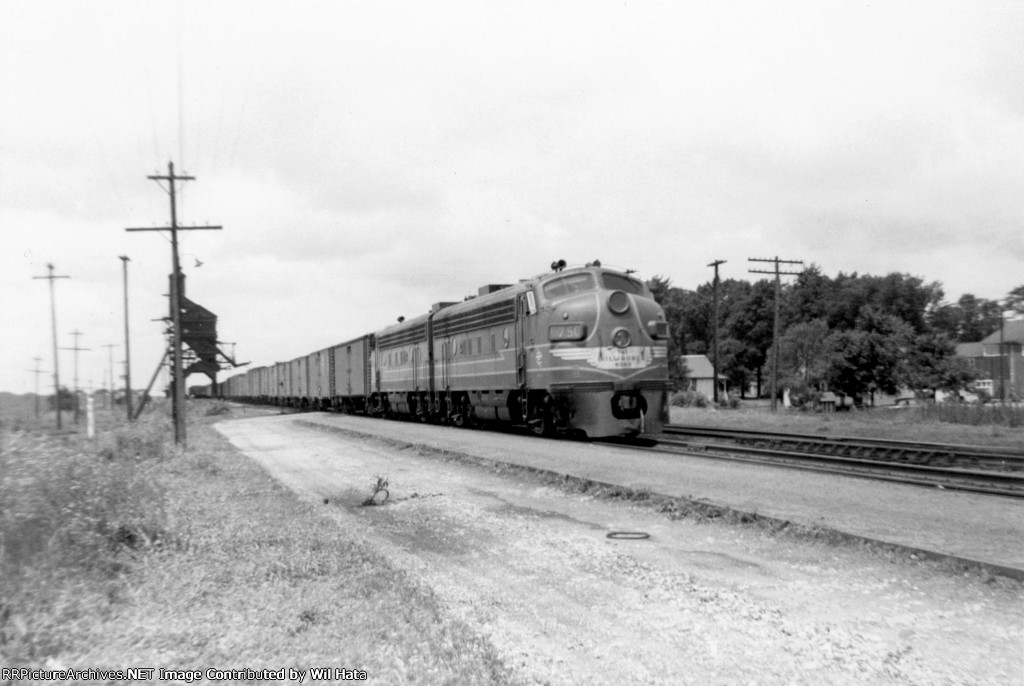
(968, 468)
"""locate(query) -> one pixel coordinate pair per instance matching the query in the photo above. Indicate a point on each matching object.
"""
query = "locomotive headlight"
(570, 331)
(657, 329)
(621, 338)
(618, 302)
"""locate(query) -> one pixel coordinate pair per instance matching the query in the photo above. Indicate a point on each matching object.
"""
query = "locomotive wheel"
(464, 417)
(541, 426)
(455, 411)
(543, 422)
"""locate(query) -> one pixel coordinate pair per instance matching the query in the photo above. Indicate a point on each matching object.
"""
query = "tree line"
(852, 334)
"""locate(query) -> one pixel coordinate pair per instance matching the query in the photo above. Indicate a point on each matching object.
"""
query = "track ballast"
(977, 469)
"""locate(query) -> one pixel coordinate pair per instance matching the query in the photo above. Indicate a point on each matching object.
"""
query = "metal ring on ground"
(628, 535)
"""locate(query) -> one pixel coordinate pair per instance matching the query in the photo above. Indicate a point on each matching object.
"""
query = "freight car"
(580, 351)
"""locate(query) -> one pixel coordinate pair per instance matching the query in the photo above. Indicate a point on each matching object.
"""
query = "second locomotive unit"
(580, 351)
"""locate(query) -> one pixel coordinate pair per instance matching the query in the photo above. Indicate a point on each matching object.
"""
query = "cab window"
(621, 282)
(570, 284)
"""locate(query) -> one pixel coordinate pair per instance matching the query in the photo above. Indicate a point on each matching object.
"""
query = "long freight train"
(580, 351)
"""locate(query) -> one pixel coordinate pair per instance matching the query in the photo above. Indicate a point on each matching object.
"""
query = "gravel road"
(532, 569)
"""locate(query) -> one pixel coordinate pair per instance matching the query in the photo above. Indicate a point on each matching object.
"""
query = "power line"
(775, 327)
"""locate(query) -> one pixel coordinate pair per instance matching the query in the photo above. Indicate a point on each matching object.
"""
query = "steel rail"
(1009, 484)
(913, 452)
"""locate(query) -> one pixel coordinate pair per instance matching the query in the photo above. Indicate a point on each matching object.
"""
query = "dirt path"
(532, 568)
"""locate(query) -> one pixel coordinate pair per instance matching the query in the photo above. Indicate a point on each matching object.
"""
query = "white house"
(700, 376)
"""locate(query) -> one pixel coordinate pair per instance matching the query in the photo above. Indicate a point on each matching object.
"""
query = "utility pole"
(37, 371)
(53, 319)
(1002, 355)
(714, 341)
(127, 348)
(110, 394)
(76, 333)
(775, 328)
(179, 380)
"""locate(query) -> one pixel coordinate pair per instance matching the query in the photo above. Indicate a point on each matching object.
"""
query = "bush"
(730, 402)
(689, 399)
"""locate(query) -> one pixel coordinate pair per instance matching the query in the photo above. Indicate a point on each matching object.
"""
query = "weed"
(380, 487)
(972, 414)
(218, 408)
(939, 422)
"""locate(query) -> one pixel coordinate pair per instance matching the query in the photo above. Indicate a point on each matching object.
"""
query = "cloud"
(366, 160)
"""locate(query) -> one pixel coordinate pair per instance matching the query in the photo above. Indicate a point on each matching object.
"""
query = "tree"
(803, 354)
(749, 320)
(739, 363)
(947, 320)
(868, 358)
(1015, 300)
(905, 296)
(673, 301)
(979, 317)
(932, 365)
(809, 297)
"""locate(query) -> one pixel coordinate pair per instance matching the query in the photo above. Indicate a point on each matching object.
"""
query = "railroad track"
(968, 468)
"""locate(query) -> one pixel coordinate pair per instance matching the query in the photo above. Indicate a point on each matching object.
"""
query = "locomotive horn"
(558, 266)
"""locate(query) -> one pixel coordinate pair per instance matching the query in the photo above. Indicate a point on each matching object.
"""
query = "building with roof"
(700, 376)
(999, 360)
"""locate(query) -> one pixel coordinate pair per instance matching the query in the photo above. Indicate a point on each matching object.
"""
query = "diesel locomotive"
(579, 351)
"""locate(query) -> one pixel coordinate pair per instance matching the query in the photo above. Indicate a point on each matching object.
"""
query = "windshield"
(570, 284)
(621, 282)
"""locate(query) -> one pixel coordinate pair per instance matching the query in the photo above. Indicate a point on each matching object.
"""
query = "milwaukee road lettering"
(634, 357)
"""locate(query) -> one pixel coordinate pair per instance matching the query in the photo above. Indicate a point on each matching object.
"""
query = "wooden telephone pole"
(77, 349)
(178, 373)
(37, 371)
(110, 393)
(53, 320)
(127, 347)
(775, 327)
(714, 341)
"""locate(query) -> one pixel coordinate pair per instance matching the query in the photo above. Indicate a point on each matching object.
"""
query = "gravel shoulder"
(530, 566)
(964, 525)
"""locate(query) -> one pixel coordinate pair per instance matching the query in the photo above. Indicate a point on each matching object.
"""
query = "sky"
(368, 159)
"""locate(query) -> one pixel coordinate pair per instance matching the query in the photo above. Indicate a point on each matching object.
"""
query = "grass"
(1008, 416)
(939, 423)
(74, 514)
(124, 551)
